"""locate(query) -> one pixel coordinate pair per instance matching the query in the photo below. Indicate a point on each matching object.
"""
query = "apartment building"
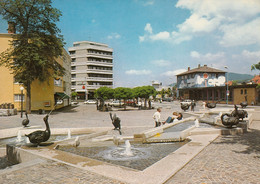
(91, 68)
(54, 93)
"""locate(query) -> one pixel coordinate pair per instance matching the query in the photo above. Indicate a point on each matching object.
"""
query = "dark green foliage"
(104, 93)
(37, 43)
(255, 66)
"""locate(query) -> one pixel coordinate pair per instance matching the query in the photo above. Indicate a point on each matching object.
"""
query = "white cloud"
(194, 54)
(250, 57)
(148, 28)
(161, 36)
(114, 36)
(161, 63)
(241, 34)
(138, 72)
(233, 22)
(208, 56)
(174, 72)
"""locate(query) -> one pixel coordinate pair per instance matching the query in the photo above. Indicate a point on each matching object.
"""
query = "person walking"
(193, 104)
(157, 117)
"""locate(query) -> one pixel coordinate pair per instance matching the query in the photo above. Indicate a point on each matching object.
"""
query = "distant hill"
(239, 77)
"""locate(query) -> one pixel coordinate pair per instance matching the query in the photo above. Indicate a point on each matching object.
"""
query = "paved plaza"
(229, 159)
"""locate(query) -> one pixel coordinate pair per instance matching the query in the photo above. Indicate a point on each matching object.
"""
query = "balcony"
(100, 79)
(78, 88)
(99, 71)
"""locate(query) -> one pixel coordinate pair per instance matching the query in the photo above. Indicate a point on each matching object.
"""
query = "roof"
(202, 69)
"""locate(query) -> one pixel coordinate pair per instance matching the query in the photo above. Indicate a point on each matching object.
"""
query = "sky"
(153, 40)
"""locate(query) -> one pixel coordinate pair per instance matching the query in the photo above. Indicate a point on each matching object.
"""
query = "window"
(18, 97)
(241, 92)
(72, 52)
(73, 83)
(73, 68)
(245, 91)
(73, 75)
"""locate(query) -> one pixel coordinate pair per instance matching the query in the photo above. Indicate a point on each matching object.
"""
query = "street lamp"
(227, 92)
(21, 88)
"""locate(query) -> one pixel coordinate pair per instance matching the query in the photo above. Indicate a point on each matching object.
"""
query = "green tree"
(104, 93)
(255, 66)
(144, 92)
(123, 93)
(37, 44)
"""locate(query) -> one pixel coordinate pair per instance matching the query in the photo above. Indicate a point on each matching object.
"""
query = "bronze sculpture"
(40, 136)
(229, 120)
(116, 122)
(241, 114)
(26, 121)
(185, 106)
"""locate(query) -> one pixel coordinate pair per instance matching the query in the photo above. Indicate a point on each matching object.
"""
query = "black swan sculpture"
(185, 106)
(26, 121)
(241, 114)
(229, 120)
(40, 136)
(211, 105)
(244, 104)
(116, 122)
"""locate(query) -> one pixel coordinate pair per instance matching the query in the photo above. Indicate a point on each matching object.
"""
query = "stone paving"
(229, 159)
(51, 172)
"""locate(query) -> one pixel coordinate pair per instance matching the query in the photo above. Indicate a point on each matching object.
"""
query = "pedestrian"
(157, 117)
(193, 104)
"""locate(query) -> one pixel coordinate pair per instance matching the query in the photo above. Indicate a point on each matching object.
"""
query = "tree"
(36, 45)
(144, 92)
(123, 93)
(104, 93)
(256, 66)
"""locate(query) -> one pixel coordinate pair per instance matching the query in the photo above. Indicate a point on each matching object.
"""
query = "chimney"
(198, 65)
(11, 28)
(188, 68)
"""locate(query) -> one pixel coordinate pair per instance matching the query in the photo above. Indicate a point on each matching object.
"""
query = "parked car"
(186, 102)
(59, 102)
(74, 103)
(115, 103)
(90, 102)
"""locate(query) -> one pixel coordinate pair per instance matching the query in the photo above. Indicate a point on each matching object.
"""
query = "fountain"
(128, 151)
(197, 124)
(69, 134)
(19, 136)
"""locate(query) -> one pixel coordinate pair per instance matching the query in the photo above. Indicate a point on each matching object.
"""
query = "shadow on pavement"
(67, 109)
(250, 139)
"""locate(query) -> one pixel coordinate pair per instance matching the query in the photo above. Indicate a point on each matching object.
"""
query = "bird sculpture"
(241, 114)
(40, 136)
(26, 121)
(229, 120)
(211, 105)
(185, 106)
(116, 122)
(244, 104)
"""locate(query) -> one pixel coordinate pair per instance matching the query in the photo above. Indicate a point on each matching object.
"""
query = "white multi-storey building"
(91, 68)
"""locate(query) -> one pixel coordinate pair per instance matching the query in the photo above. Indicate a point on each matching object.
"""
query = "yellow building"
(46, 95)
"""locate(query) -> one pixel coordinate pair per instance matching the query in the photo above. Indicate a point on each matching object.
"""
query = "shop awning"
(62, 95)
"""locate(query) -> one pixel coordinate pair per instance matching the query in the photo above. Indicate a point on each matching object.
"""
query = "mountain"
(239, 77)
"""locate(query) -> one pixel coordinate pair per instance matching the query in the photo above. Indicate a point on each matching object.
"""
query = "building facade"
(91, 68)
(209, 84)
(44, 95)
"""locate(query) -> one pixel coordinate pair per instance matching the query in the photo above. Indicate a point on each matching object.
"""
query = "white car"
(186, 102)
(90, 102)
(115, 103)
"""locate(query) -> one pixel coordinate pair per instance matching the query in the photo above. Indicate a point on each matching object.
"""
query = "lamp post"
(21, 88)
(227, 92)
